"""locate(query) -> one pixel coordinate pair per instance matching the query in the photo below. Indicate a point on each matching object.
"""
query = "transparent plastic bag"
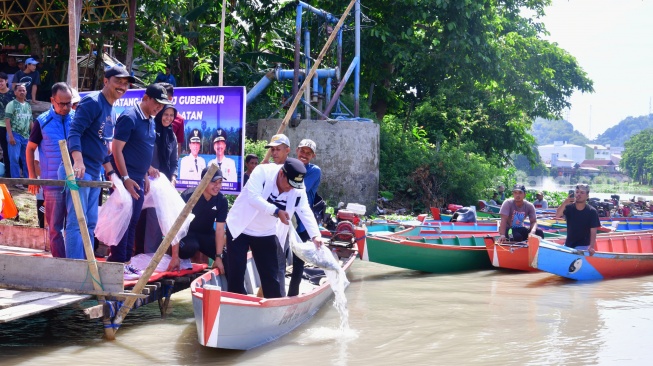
(114, 215)
(168, 205)
(307, 252)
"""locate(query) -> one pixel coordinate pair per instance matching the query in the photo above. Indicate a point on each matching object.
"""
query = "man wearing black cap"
(513, 214)
(227, 165)
(191, 166)
(89, 142)
(211, 209)
(272, 195)
(133, 144)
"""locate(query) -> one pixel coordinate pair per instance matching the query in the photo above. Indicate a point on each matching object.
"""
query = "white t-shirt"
(264, 224)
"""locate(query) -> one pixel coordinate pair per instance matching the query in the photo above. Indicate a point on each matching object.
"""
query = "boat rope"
(71, 183)
(88, 274)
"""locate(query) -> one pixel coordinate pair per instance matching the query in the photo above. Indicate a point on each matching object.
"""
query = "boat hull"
(426, 256)
(234, 321)
(508, 255)
(616, 256)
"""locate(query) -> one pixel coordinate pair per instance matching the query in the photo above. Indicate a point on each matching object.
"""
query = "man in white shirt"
(227, 165)
(191, 166)
(259, 219)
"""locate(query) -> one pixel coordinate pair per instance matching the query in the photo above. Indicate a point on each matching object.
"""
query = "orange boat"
(515, 255)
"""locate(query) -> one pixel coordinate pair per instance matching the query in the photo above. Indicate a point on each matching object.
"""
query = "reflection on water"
(396, 317)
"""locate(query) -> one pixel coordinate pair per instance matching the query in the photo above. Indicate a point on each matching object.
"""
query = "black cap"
(519, 187)
(217, 175)
(221, 135)
(195, 136)
(119, 72)
(158, 93)
(295, 171)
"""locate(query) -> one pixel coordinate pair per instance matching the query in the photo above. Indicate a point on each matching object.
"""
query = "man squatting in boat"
(273, 193)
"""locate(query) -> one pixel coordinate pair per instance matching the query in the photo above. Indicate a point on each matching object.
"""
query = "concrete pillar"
(347, 153)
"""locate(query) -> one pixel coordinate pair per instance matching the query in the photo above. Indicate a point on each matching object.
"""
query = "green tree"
(637, 159)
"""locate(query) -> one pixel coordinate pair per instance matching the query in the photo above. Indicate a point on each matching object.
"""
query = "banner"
(214, 132)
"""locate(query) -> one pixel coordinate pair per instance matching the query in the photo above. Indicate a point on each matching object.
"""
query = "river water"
(396, 317)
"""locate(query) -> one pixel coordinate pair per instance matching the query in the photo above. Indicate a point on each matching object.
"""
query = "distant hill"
(547, 131)
(619, 134)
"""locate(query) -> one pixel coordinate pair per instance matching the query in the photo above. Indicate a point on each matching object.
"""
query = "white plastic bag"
(168, 205)
(307, 252)
(114, 215)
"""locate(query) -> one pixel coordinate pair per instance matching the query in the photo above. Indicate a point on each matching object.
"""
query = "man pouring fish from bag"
(259, 220)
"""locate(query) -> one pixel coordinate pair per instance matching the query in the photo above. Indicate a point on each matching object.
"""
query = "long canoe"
(234, 321)
(623, 255)
(438, 254)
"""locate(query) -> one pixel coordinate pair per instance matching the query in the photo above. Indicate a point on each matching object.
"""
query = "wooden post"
(163, 248)
(83, 229)
(308, 77)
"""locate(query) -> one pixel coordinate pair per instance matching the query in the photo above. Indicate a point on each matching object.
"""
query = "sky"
(613, 42)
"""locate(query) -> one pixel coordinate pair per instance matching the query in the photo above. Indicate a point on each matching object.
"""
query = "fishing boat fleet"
(433, 244)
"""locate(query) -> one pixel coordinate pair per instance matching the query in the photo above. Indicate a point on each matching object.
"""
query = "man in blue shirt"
(89, 142)
(133, 145)
(305, 153)
(50, 127)
(166, 78)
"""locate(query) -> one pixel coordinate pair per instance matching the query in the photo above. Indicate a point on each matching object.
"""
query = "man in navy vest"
(50, 127)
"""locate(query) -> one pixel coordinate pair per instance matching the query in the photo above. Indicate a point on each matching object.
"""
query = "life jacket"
(54, 127)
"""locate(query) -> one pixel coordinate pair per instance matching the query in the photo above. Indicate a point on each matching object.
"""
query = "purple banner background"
(206, 109)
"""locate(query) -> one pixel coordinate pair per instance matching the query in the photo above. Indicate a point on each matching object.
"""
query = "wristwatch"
(109, 173)
(125, 177)
(221, 255)
(276, 212)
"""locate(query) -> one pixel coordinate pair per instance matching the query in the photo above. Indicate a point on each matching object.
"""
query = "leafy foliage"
(548, 131)
(624, 130)
(637, 159)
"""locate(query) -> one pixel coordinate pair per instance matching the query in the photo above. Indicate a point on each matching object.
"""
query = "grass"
(26, 204)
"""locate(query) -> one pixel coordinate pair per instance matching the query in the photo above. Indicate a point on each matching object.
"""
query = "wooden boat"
(508, 255)
(234, 321)
(617, 255)
(437, 254)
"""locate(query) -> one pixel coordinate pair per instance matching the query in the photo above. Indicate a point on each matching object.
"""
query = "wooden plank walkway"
(19, 304)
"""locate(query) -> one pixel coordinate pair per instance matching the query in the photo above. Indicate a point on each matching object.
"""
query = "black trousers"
(297, 268)
(5, 151)
(264, 251)
(521, 233)
(194, 241)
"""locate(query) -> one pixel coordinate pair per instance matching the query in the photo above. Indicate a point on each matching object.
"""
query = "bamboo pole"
(163, 248)
(310, 75)
(224, 6)
(53, 182)
(83, 229)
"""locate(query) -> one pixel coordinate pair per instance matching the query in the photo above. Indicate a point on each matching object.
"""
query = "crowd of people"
(142, 144)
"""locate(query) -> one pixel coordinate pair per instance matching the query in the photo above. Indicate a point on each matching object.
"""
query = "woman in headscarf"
(165, 160)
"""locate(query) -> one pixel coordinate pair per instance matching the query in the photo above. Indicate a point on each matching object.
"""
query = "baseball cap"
(119, 72)
(519, 187)
(195, 136)
(221, 135)
(309, 144)
(31, 61)
(158, 93)
(217, 175)
(295, 171)
(277, 140)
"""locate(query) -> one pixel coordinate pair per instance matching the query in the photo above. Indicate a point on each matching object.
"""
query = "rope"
(88, 273)
(70, 184)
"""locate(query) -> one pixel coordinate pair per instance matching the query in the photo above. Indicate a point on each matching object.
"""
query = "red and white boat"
(235, 321)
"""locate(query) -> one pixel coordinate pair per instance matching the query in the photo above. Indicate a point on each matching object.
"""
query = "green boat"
(435, 254)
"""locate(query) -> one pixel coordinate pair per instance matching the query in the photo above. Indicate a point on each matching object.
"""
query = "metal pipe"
(265, 81)
(298, 38)
(285, 74)
(357, 54)
(336, 95)
(327, 16)
(307, 64)
(327, 92)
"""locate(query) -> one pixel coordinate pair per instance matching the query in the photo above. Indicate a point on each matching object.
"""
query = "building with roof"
(561, 153)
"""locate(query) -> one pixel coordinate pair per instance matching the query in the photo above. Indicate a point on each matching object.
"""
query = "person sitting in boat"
(211, 209)
(540, 202)
(273, 193)
(513, 213)
(494, 200)
(582, 220)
